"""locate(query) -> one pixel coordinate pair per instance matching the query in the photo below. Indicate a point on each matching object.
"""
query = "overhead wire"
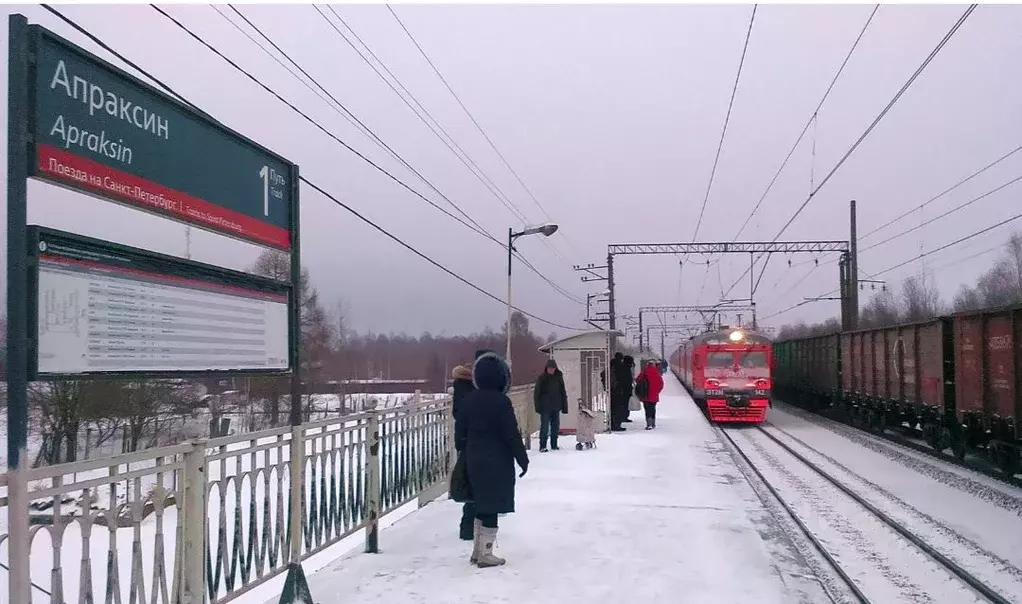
(923, 224)
(869, 129)
(720, 146)
(915, 75)
(930, 200)
(475, 226)
(442, 134)
(812, 119)
(303, 179)
(920, 256)
(473, 119)
(452, 145)
(945, 214)
(944, 192)
(727, 120)
(336, 104)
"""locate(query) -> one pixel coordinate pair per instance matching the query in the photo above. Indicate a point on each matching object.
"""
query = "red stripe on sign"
(172, 279)
(60, 165)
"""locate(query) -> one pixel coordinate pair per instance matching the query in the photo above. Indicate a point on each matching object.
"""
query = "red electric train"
(727, 372)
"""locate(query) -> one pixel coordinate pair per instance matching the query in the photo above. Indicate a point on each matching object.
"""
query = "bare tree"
(317, 333)
(791, 332)
(880, 311)
(60, 409)
(150, 408)
(920, 298)
(967, 298)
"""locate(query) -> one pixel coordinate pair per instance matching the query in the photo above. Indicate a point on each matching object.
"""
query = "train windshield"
(753, 359)
(720, 360)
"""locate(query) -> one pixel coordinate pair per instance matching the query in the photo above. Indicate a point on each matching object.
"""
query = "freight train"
(956, 380)
(727, 372)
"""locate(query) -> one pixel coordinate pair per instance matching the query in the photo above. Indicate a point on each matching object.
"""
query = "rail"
(210, 519)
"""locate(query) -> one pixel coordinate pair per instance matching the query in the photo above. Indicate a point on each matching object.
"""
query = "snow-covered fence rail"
(210, 519)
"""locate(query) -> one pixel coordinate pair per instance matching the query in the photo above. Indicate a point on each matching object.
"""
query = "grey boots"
(475, 543)
(482, 550)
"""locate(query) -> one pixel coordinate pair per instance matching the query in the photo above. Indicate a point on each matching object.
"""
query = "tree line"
(918, 298)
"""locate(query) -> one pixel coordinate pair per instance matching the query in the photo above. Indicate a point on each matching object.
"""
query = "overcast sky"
(611, 115)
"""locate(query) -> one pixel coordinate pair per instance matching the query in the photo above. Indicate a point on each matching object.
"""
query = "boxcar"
(954, 380)
(727, 372)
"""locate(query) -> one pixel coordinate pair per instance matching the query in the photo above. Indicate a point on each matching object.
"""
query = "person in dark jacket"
(620, 391)
(462, 386)
(550, 400)
(488, 434)
(630, 363)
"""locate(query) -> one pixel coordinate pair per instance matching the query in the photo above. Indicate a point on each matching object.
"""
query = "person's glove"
(525, 469)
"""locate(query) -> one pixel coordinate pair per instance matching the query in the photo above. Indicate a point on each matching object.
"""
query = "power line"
(945, 191)
(927, 222)
(477, 228)
(319, 189)
(880, 116)
(471, 117)
(335, 105)
(727, 119)
(412, 249)
(809, 122)
(915, 258)
(945, 214)
(453, 145)
(870, 128)
(456, 149)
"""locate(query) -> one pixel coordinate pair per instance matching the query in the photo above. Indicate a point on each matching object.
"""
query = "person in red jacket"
(648, 386)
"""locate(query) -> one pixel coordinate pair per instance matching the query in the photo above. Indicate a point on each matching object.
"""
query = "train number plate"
(761, 393)
(712, 392)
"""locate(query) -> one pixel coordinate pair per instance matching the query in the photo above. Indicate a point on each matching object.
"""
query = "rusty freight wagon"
(955, 380)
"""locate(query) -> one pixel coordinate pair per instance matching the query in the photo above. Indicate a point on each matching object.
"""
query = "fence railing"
(209, 520)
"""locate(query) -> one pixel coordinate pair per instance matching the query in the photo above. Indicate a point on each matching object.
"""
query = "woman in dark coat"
(462, 386)
(488, 435)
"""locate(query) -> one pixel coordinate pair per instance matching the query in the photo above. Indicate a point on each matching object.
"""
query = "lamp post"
(546, 230)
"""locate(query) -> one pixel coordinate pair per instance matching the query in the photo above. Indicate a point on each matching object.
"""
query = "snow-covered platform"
(661, 516)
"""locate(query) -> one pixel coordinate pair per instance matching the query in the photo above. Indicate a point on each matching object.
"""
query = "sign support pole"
(17, 305)
(296, 585)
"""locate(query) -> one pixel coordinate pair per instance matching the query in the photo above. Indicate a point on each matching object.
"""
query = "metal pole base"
(296, 587)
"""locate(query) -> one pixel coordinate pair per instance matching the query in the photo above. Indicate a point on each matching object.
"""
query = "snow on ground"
(969, 520)
(662, 516)
(885, 566)
(985, 487)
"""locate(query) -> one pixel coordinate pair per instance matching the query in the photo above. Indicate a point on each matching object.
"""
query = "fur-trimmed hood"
(461, 372)
(491, 372)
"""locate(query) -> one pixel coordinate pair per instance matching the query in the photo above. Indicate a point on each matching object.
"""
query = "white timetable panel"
(97, 318)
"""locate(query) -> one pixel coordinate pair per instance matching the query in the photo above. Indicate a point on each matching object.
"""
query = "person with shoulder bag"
(648, 387)
(492, 444)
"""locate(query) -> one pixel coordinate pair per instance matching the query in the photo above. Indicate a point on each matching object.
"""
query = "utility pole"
(853, 269)
(610, 289)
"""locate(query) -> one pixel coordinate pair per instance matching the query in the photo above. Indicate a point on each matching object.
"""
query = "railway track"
(878, 558)
(982, 466)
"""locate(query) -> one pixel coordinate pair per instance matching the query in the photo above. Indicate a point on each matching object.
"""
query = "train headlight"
(736, 335)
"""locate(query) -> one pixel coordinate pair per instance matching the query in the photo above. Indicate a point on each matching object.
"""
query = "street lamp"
(546, 230)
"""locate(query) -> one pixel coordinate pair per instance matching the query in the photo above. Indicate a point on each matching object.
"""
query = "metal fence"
(209, 520)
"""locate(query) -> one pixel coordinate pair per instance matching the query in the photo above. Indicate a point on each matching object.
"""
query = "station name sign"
(100, 130)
